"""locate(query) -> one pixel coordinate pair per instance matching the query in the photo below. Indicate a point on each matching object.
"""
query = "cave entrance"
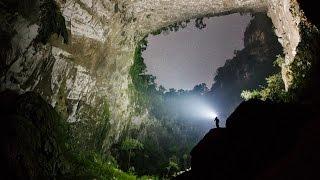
(190, 56)
(187, 77)
(218, 57)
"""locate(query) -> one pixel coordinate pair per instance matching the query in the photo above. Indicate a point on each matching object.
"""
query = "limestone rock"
(93, 68)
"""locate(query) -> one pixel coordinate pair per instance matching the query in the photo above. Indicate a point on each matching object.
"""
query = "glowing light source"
(212, 115)
(205, 111)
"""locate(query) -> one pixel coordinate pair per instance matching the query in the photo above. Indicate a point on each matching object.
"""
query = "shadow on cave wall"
(32, 143)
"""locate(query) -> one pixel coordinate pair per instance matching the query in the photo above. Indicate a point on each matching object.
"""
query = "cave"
(191, 58)
(230, 53)
(66, 71)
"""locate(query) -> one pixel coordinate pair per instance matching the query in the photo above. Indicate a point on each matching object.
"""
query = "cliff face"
(32, 142)
(89, 76)
(249, 67)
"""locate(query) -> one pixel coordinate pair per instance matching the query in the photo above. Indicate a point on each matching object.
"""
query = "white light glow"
(196, 108)
(212, 115)
(208, 113)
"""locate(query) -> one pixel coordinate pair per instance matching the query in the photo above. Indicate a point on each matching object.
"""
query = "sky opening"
(191, 56)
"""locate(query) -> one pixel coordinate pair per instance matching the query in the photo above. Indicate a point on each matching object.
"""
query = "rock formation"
(262, 140)
(31, 140)
(91, 71)
(249, 67)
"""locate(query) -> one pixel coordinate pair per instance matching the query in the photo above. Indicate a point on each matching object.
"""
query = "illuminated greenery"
(143, 85)
(168, 133)
(173, 165)
(274, 90)
(172, 132)
(103, 127)
(249, 67)
(94, 164)
(304, 68)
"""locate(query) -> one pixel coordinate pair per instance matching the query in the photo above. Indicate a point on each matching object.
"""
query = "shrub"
(275, 89)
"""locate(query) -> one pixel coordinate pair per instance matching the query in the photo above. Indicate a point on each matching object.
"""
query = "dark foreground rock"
(31, 144)
(262, 140)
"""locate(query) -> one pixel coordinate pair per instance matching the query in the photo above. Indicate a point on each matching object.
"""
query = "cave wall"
(91, 73)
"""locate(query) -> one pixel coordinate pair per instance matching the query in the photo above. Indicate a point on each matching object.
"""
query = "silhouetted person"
(217, 121)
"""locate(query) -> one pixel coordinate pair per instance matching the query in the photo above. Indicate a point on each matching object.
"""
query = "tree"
(274, 90)
(200, 24)
(172, 92)
(161, 89)
(200, 89)
(181, 91)
(172, 165)
(130, 145)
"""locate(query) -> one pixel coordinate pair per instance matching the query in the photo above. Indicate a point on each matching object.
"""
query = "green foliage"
(104, 125)
(47, 146)
(181, 25)
(305, 67)
(130, 144)
(44, 142)
(94, 166)
(166, 135)
(143, 84)
(254, 94)
(274, 90)
(199, 89)
(172, 27)
(163, 138)
(249, 67)
(279, 61)
(304, 71)
(141, 81)
(172, 166)
(51, 21)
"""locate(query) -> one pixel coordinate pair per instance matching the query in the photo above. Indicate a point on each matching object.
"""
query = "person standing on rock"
(217, 121)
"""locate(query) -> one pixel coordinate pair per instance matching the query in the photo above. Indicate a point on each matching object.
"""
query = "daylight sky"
(191, 56)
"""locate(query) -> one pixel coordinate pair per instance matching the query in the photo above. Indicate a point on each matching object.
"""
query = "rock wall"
(81, 78)
(286, 18)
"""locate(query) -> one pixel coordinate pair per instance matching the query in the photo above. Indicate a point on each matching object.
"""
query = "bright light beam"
(212, 115)
(208, 113)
